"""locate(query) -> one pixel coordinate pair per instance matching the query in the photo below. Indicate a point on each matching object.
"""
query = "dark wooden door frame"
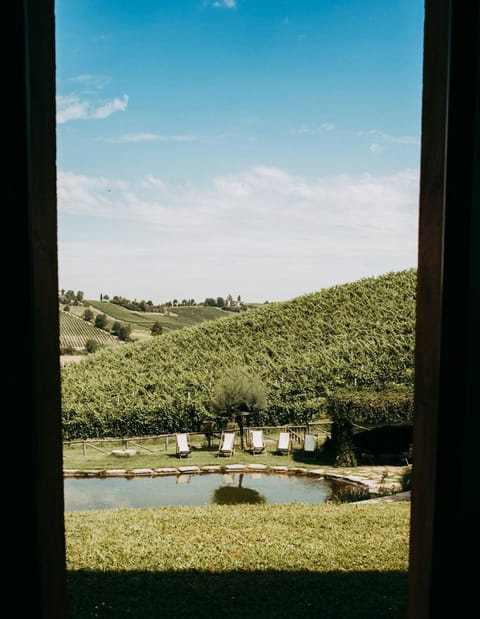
(444, 506)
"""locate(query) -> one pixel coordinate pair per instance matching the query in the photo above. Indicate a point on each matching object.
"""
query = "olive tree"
(238, 394)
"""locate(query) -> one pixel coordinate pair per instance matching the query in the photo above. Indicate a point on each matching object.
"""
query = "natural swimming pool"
(206, 489)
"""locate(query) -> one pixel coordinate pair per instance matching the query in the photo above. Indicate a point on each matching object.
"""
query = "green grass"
(164, 455)
(275, 561)
(161, 452)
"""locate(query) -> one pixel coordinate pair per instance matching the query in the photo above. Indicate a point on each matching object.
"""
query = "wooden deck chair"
(183, 448)
(284, 445)
(227, 444)
(310, 445)
(257, 442)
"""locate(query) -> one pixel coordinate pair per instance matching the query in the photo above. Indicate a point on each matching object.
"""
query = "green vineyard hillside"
(357, 335)
(75, 332)
(176, 318)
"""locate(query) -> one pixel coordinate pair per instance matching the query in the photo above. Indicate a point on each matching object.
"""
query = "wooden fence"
(164, 442)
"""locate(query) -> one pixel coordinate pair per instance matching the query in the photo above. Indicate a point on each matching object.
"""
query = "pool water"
(205, 489)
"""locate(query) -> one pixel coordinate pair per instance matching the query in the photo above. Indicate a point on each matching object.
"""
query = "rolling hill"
(75, 332)
(177, 318)
(353, 335)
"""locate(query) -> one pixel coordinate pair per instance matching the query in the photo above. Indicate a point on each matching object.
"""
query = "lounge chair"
(184, 448)
(284, 445)
(227, 444)
(257, 443)
(310, 445)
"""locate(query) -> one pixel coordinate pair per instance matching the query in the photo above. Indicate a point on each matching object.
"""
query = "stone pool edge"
(374, 487)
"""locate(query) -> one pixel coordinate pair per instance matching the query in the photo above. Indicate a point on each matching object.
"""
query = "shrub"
(367, 407)
(88, 314)
(101, 321)
(124, 332)
(91, 346)
(344, 493)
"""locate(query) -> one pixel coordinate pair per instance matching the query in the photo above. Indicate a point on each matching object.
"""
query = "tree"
(116, 328)
(80, 295)
(157, 328)
(69, 297)
(238, 394)
(101, 321)
(88, 314)
(91, 346)
(124, 332)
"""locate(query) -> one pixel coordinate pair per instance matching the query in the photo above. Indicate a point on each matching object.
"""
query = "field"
(177, 318)
(355, 336)
(75, 332)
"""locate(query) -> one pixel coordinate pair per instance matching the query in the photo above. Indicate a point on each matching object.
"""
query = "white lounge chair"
(183, 447)
(310, 444)
(257, 443)
(284, 444)
(227, 444)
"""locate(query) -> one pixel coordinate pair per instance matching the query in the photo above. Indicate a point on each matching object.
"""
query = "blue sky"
(262, 148)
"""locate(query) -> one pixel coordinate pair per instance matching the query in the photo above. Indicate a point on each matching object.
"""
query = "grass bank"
(331, 561)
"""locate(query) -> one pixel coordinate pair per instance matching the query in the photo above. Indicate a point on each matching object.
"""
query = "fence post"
(84, 448)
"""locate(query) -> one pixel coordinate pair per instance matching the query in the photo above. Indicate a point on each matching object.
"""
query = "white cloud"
(225, 4)
(390, 139)
(110, 107)
(275, 234)
(313, 129)
(86, 196)
(152, 182)
(376, 148)
(147, 137)
(72, 107)
(91, 81)
(280, 198)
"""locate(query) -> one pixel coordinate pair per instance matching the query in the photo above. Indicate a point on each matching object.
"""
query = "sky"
(261, 148)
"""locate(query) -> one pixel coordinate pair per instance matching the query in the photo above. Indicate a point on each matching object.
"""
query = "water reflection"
(233, 495)
(185, 489)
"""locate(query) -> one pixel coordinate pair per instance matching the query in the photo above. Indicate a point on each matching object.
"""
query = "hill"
(175, 318)
(75, 332)
(354, 335)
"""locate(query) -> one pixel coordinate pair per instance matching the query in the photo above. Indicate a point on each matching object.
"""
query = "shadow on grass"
(318, 458)
(148, 595)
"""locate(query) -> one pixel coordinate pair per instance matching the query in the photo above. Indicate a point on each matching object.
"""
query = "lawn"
(331, 561)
